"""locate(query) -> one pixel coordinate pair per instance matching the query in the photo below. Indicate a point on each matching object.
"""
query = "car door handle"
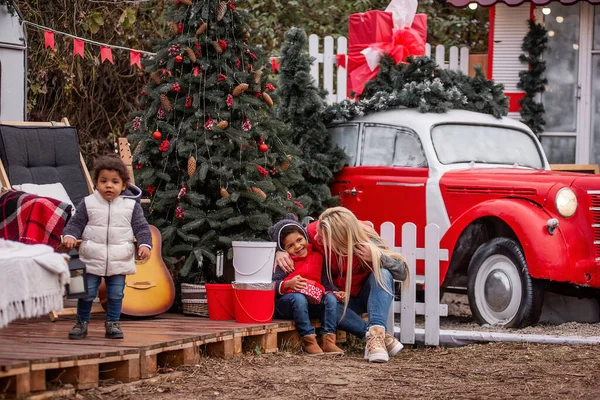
(352, 192)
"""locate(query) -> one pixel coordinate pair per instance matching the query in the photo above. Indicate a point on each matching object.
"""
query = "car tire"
(501, 292)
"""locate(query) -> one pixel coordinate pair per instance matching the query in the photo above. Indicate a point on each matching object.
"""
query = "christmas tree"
(532, 80)
(301, 105)
(209, 152)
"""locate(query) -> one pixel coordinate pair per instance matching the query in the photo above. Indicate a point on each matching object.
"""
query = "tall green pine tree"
(301, 105)
(208, 149)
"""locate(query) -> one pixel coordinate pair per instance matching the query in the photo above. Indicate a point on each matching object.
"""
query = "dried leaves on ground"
(499, 371)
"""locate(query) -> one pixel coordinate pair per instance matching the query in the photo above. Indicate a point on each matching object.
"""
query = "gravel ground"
(498, 371)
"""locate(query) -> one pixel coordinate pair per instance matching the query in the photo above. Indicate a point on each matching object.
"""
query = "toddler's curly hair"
(112, 163)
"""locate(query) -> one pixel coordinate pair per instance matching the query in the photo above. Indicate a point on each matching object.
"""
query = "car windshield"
(455, 143)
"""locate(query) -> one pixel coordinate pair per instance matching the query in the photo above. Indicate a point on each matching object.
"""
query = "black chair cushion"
(43, 155)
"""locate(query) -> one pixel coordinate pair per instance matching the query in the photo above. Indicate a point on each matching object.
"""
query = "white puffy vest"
(107, 241)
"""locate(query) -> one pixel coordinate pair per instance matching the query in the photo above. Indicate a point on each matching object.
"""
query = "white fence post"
(409, 293)
(432, 284)
(458, 59)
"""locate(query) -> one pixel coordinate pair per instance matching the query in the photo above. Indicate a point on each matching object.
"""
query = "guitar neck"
(126, 157)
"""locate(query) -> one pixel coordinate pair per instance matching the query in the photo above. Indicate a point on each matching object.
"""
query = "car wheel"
(500, 289)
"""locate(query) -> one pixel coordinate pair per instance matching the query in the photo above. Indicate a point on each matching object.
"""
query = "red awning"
(487, 3)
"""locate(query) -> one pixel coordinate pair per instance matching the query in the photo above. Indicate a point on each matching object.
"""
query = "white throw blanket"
(32, 279)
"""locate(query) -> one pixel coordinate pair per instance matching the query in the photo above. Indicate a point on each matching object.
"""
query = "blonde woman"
(365, 287)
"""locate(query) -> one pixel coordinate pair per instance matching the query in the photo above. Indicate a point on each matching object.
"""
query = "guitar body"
(150, 291)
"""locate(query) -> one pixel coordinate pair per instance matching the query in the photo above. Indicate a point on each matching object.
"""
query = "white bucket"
(253, 261)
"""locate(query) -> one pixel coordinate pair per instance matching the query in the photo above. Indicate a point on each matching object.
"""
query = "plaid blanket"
(32, 219)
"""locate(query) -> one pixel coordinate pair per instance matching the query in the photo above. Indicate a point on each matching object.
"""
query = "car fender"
(546, 254)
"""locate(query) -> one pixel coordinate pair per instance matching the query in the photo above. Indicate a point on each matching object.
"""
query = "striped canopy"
(486, 3)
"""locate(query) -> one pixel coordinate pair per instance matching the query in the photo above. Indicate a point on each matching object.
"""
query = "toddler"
(107, 221)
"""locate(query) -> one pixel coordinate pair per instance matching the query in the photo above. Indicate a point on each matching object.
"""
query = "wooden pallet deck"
(36, 355)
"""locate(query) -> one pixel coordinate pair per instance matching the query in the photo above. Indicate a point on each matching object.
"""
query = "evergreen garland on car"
(532, 80)
(420, 83)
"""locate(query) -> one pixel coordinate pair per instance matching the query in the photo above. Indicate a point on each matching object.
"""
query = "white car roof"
(422, 122)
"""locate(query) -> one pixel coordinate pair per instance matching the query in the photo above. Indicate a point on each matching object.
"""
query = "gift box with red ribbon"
(371, 35)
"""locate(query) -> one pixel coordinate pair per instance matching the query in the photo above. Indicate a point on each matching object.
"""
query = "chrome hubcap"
(498, 290)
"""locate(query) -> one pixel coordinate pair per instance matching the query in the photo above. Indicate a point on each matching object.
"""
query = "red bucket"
(253, 302)
(220, 301)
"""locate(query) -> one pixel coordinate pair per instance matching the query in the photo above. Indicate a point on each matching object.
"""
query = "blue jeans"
(295, 306)
(114, 295)
(372, 299)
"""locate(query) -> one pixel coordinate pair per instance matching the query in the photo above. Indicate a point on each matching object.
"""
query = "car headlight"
(566, 202)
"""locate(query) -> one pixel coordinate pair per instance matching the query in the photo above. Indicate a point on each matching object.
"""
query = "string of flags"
(79, 44)
(105, 49)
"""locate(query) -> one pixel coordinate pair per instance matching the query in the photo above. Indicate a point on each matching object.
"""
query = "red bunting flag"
(78, 47)
(134, 58)
(49, 39)
(106, 54)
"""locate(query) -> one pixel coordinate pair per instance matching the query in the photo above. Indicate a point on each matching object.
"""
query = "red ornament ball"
(263, 148)
(179, 59)
(157, 135)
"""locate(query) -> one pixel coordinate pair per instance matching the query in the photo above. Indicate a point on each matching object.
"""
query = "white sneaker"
(392, 344)
(375, 350)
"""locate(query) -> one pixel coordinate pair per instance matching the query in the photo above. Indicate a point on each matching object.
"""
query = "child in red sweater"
(290, 303)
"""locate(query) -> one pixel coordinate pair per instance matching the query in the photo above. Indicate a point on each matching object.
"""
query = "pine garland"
(532, 80)
(420, 83)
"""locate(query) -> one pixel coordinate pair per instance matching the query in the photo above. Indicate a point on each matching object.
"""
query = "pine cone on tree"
(217, 47)
(223, 124)
(221, 10)
(201, 29)
(137, 148)
(258, 76)
(239, 89)
(191, 54)
(267, 99)
(174, 26)
(186, 2)
(166, 103)
(191, 167)
(224, 192)
(258, 192)
(284, 165)
(156, 77)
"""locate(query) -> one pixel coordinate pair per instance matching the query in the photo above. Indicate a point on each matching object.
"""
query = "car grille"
(595, 211)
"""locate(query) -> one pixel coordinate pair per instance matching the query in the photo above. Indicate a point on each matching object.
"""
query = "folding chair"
(43, 153)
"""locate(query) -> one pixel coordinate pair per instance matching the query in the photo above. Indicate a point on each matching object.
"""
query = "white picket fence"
(334, 79)
(409, 308)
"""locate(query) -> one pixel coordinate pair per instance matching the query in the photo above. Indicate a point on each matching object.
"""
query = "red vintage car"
(512, 227)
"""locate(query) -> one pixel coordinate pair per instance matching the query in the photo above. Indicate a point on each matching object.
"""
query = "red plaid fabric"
(32, 219)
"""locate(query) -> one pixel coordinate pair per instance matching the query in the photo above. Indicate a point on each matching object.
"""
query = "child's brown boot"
(310, 346)
(329, 346)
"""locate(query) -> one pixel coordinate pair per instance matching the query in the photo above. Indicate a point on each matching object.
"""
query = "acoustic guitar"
(150, 291)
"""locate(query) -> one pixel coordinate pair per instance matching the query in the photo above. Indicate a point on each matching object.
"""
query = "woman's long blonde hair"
(341, 232)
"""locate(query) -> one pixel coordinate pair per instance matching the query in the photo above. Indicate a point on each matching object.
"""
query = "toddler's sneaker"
(113, 330)
(392, 344)
(375, 350)
(79, 331)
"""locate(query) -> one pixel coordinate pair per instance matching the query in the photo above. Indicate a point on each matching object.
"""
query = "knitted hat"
(275, 230)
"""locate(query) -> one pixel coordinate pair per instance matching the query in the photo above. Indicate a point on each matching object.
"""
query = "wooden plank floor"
(36, 355)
